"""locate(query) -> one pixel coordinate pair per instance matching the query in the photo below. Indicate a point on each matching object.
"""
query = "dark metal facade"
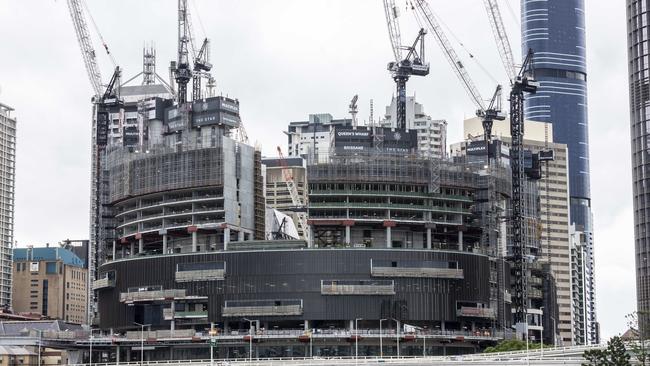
(639, 68)
(297, 274)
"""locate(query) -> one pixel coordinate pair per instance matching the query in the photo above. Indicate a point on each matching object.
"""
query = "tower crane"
(402, 68)
(296, 200)
(523, 83)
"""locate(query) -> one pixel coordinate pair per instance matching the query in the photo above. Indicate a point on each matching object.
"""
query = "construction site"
(363, 230)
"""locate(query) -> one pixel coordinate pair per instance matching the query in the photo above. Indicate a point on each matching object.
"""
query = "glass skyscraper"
(639, 65)
(555, 31)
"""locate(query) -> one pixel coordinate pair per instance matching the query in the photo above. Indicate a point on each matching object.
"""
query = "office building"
(312, 139)
(639, 69)
(555, 31)
(7, 173)
(431, 133)
(52, 282)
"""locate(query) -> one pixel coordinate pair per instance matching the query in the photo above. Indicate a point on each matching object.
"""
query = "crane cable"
(420, 22)
(92, 20)
(512, 13)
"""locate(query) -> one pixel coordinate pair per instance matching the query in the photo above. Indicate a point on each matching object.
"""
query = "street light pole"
(356, 338)
(212, 333)
(424, 345)
(142, 340)
(381, 345)
(40, 340)
(541, 321)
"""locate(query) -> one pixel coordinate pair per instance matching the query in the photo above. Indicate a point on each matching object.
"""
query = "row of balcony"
(169, 201)
(156, 295)
(450, 273)
(389, 194)
(386, 205)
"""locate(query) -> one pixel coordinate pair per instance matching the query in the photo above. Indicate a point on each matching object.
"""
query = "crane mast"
(523, 83)
(295, 198)
(182, 71)
(87, 49)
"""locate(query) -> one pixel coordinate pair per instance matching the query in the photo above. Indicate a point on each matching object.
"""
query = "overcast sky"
(283, 60)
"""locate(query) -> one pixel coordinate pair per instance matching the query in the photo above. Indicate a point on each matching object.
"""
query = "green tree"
(638, 348)
(614, 355)
(595, 358)
(618, 355)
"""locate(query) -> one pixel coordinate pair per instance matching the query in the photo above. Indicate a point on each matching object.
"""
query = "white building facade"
(7, 173)
(432, 133)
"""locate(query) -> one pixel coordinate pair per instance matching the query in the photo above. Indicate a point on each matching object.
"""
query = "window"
(50, 268)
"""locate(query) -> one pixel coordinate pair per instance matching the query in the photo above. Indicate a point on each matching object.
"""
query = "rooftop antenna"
(148, 65)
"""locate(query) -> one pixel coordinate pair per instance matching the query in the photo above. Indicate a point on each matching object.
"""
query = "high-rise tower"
(637, 41)
(7, 173)
(555, 31)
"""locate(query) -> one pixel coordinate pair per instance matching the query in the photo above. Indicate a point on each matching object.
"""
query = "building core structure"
(7, 183)
(555, 31)
(639, 70)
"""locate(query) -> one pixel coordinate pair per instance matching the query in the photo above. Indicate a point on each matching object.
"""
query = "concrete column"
(351, 327)
(132, 248)
(240, 236)
(123, 251)
(194, 239)
(306, 324)
(114, 249)
(226, 238)
(428, 238)
(164, 238)
(172, 324)
(460, 240)
(442, 325)
(310, 243)
(117, 355)
(347, 235)
(140, 245)
(389, 238)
